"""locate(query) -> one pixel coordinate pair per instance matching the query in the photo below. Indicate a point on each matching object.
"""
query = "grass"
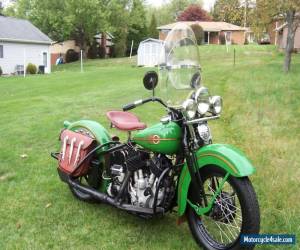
(37, 211)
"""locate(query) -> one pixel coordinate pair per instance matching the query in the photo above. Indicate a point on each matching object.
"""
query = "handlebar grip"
(129, 106)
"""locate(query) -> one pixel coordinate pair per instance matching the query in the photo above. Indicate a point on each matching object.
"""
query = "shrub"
(199, 33)
(72, 56)
(1, 71)
(31, 69)
(102, 52)
(93, 51)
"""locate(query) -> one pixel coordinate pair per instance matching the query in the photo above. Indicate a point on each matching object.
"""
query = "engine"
(143, 185)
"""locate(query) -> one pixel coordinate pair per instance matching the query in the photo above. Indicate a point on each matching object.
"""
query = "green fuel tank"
(162, 138)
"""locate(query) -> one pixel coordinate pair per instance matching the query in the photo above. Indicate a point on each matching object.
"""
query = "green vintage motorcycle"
(173, 164)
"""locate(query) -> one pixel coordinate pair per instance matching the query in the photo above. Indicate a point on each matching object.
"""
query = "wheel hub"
(224, 209)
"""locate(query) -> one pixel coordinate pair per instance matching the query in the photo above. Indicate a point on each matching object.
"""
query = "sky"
(207, 4)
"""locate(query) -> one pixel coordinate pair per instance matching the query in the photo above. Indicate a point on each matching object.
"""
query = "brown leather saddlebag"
(74, 148)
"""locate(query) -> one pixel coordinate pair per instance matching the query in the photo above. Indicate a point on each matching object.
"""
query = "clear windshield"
(179, 68)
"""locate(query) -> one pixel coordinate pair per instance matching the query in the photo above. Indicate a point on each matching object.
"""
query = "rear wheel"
(93, 177)
(234, 212)
(81, 195)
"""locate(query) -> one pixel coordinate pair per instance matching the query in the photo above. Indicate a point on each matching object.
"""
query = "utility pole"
(245, 13)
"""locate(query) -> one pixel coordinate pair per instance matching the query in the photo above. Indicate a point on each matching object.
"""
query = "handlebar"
(140, 102)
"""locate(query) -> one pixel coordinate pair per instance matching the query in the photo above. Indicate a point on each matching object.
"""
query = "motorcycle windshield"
(179, 67)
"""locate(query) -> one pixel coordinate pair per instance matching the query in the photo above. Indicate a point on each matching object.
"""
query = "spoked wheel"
(234, 212)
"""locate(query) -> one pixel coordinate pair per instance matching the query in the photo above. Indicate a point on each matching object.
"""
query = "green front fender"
(97, 130)
(224, 156)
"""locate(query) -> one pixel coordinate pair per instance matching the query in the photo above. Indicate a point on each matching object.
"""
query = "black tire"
(249, 209)
(81, 195)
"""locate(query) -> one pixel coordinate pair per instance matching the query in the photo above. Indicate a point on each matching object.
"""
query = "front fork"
(196, 180)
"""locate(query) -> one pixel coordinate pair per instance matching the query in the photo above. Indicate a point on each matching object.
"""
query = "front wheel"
(235, 212)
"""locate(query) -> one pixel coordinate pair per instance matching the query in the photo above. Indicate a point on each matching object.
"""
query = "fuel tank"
(160, 138)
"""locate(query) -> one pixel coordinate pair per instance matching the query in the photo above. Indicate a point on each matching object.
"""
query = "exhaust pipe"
(97, 195)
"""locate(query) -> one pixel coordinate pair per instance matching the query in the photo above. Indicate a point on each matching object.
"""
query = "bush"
(72, 56)
(102, 52)
(93, 51)
(31, 69)
(1, 71)
(199, 33)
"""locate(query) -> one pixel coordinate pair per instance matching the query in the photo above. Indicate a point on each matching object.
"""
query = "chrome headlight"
(204, 133)
(190, 108)
(216, 104)
(202, 99)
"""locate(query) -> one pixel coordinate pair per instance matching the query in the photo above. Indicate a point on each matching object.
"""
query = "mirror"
(150, 80)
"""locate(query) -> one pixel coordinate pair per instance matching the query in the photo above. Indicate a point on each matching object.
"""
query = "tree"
(118, 19)
(169, 12)
(194, 13)
(228, 11)
(153, 32)
(199, 33)
(84, 19)
(288, 10)
(65, 19)
(137, 27)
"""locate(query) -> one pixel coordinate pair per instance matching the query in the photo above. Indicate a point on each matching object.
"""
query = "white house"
(22, 43)
(149, 52)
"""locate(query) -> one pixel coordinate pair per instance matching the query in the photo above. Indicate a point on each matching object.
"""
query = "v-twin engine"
(143, 186)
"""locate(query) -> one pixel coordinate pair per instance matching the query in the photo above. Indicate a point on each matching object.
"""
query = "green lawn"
(261, 116)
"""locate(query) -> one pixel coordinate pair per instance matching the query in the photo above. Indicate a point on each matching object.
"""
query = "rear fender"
(227, 157)
(98, 131)
(100, 134)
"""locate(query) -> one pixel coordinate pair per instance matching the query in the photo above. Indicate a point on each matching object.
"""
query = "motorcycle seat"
(125, 121)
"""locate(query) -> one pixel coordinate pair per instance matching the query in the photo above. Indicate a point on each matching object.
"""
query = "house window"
(206, 37)
(1, 51)
(45, 59)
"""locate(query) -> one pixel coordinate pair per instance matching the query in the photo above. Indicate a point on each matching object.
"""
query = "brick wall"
(238, 37)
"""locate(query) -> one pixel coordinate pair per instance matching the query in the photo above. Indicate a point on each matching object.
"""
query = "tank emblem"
(155, 139)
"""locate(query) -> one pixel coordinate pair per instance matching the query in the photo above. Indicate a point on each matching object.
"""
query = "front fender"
(98, 131)
(224, 156)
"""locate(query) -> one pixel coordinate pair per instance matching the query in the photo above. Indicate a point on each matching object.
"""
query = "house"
(281, 37)
(213, 32)
(149, 52)
(105, 39)
(278, 31)
(22, 43)
(59, 49)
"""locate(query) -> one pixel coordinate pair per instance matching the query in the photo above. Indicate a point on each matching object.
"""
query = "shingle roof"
(207, 26)
(152, 40)
(19, 30)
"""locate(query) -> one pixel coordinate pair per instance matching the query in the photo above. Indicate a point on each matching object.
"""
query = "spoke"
(85, 177)
(220, 222)
(222, 231)
(224, 199)
(221, 237)
(231, 212)
(228, 223)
